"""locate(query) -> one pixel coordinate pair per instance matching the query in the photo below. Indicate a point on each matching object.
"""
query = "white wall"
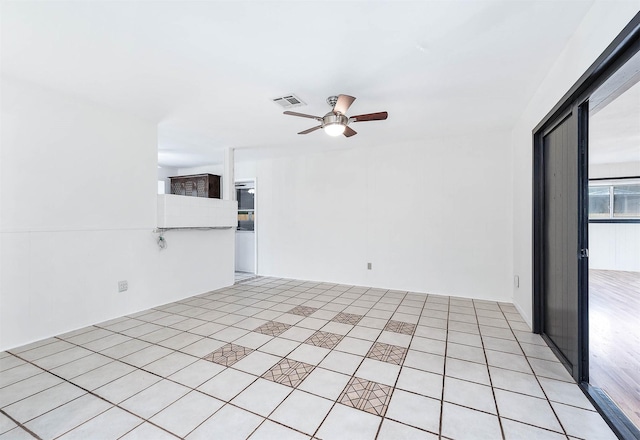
(614, 246)
(610, 170)
(78, 206)
(432, 216)
(216, 169)
(164, 173)
(601, 25)
(246, 251)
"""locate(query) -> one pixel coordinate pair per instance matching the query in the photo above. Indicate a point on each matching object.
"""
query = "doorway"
(614, 238)
(571, 296)
(246, 230)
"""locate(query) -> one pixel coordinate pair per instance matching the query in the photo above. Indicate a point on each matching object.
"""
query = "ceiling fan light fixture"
(334, 124)
(334, 129)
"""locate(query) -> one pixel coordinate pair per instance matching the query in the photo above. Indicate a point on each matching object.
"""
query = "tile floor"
(281, 359)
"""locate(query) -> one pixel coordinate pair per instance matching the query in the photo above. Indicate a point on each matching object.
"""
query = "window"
(626, 201)
(614, 200)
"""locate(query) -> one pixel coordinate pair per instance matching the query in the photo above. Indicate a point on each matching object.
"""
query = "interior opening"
(246, 230)
(614, 238)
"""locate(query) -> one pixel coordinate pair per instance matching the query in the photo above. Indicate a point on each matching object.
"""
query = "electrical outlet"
(368, 266)
(123, 286)
(516, 281)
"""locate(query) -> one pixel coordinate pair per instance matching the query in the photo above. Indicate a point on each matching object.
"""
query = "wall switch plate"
(368, 266)
(516, 281)
(123, 286)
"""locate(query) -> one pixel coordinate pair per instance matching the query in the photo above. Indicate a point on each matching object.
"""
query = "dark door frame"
(623, 47)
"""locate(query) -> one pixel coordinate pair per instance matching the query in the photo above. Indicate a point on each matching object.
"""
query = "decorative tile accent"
(288, 372)
(387, 353)
(404, 328)
(273, 328)
(302, 310)
(324, 339)
(228, 355)
(347, 318)
(365, 395)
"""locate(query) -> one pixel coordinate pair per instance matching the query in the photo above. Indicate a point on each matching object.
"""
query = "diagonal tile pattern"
(347, 318)
(228, 355)
(303, 310)
(368, 396)
(324, 339)
(288, 372)
(387, 353)
(354, 362)
(273, 328)
(404, 328)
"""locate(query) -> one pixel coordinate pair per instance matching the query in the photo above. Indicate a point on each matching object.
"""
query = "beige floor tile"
(424, 361)
(527, 409)
(68, 416)
(227, 384)
(42, 402)
(346, 422)
(229, 423)
(520, 431)
(515, 381)
(509, 361)
(27, 387)
(262, 396)
(169, 364)
(309, 354)
(420, 382)
(345, 363)
(302, 411)
(270, 430)
(469, 371)
(391, 430)
(279, 346)
(127, 386)
(256, 363)
(197, 373)
(154, 398)
(18, 373)
(354, 346)
(377, 371)
(565, 392)
(466, 353)
(469, 394)
(467, 424)
(415, 410)
(186, 413)
(427, 345)
(325, 383)
(110, 424)
(582, 423)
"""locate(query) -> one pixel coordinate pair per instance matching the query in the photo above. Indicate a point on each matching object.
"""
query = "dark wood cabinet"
(196, 185)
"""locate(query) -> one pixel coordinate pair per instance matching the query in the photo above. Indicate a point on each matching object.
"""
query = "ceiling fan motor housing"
(334, 118)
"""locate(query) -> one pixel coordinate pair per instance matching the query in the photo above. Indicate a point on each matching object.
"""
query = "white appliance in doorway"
(246, 256)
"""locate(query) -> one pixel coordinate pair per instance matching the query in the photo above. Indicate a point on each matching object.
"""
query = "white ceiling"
(614, 117)
(614, 132)
(206, 71)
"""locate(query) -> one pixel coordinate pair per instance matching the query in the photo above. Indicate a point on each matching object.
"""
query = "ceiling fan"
(336, 122)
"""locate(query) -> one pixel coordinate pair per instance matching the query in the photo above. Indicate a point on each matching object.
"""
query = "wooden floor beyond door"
(614, 337)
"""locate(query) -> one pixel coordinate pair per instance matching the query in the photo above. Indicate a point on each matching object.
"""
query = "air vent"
(289, 101)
